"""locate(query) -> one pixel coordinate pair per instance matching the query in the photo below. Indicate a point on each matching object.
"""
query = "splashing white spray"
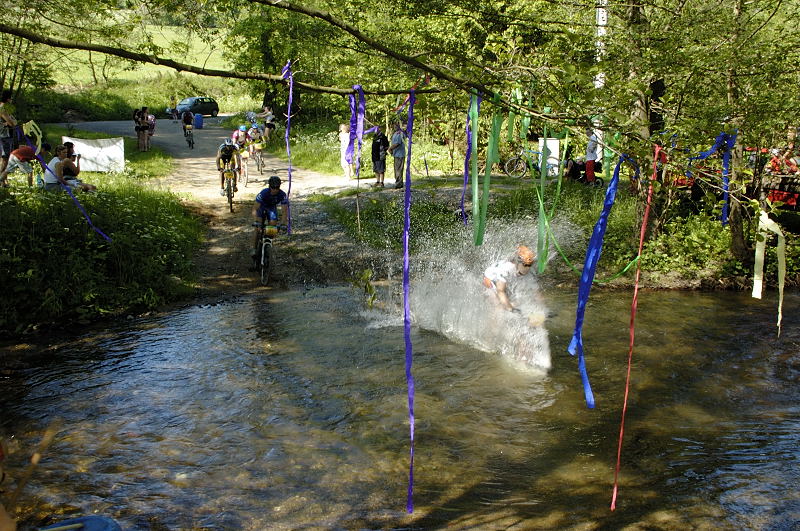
(447, 294)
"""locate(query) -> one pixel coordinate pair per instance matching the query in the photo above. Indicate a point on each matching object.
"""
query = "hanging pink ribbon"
(634, 306)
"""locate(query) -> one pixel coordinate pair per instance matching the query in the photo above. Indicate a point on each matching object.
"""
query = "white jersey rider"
(498, 275)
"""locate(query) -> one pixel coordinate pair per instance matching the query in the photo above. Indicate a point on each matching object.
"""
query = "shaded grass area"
(59, 270)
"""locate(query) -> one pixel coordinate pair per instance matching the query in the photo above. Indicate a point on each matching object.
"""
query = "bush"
(57, 268)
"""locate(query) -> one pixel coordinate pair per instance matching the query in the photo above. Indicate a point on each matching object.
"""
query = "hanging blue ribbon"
(587, 277)
(78, 204)
(727, 141)
(287, 73)
(406, 308)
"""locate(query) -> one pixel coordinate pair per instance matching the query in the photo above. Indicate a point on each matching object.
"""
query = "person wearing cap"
(497, 276)
(19, 158)
(270, 208)
(227, 155)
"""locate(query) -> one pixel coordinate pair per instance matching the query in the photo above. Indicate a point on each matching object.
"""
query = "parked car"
(199, 105)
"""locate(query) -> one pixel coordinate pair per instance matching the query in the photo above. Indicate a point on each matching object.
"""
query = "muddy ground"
(317, 251)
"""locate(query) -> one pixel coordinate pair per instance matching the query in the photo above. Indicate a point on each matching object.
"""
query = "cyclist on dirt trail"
(499, 274)
(256, 136)
(240, 137)
(187, 118)
(227, 154)
(266, 209)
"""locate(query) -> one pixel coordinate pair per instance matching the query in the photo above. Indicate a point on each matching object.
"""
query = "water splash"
(448, 296)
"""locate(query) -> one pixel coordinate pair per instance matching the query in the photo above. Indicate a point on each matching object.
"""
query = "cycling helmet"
(254, 125)
(274, 182)
(525, 255)
(243, 128)
(228, 142)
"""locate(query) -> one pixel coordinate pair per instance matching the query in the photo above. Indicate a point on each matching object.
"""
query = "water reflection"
(289, 412)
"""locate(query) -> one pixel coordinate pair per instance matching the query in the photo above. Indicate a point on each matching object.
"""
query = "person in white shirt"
(591, 154)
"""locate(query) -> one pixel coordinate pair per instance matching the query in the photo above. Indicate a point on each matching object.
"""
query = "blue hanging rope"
(78, 204)
(587, 277)
(726, 141)
(406, 308)
(287, 73)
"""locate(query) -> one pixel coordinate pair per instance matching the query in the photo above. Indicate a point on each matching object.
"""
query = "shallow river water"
(289, 411)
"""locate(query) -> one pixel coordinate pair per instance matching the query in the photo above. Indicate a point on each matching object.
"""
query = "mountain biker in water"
(226, 154)
(266, 208)
(497, 276)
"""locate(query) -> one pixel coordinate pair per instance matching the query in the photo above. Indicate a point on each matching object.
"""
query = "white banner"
(102, 154)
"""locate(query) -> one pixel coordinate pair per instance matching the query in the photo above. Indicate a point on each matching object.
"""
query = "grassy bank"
(58, 269)
(690, 252)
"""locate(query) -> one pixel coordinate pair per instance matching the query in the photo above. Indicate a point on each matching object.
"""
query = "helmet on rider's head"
(525, 255)
(228, 142)
(254, 125)
(274, 182)
(243, 128)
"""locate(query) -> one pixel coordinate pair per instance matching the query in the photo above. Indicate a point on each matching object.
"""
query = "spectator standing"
(269, 121)
(591, 154)
(7, 125)
(19, 158)
(141, 127)
(380, 144)
(398, 150)
(344, 143)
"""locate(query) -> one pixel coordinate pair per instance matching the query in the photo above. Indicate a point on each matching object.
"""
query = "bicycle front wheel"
(515, 167)
(229, 192)
(267, 262)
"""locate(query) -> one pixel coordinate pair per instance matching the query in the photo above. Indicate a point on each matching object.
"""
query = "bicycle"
(230, 175)
(244, 156)
(517, 166)
(189, 136)
(258, 158)
(265, 257)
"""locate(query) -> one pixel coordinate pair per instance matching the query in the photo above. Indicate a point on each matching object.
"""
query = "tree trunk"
(739, 245)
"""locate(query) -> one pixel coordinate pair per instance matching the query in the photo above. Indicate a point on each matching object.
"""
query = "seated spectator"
(62, 171)
(19, 158)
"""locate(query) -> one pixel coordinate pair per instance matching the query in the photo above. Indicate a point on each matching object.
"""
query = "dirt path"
(316, 252)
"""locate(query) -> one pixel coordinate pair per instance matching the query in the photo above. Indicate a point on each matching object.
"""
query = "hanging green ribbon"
(474, 108)
(516, 97)
(492, 156)
(766, 224)
(542, 242)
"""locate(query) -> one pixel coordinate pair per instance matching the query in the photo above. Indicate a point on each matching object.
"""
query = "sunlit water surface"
(289, 411)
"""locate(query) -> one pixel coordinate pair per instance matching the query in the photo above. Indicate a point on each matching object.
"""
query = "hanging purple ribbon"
(359, 132)
(468, 155)
(78, 204)
(287, 73)
(587, 277)
(406, 308)
(348, 154)
(726, 141)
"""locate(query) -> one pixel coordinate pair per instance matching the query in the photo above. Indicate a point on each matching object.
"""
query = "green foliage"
(689, 246)
(363, 283)
(381, 221)
(58, 269)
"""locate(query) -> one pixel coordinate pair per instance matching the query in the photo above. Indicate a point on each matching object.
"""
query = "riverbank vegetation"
(59, 271)
(677, 75)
